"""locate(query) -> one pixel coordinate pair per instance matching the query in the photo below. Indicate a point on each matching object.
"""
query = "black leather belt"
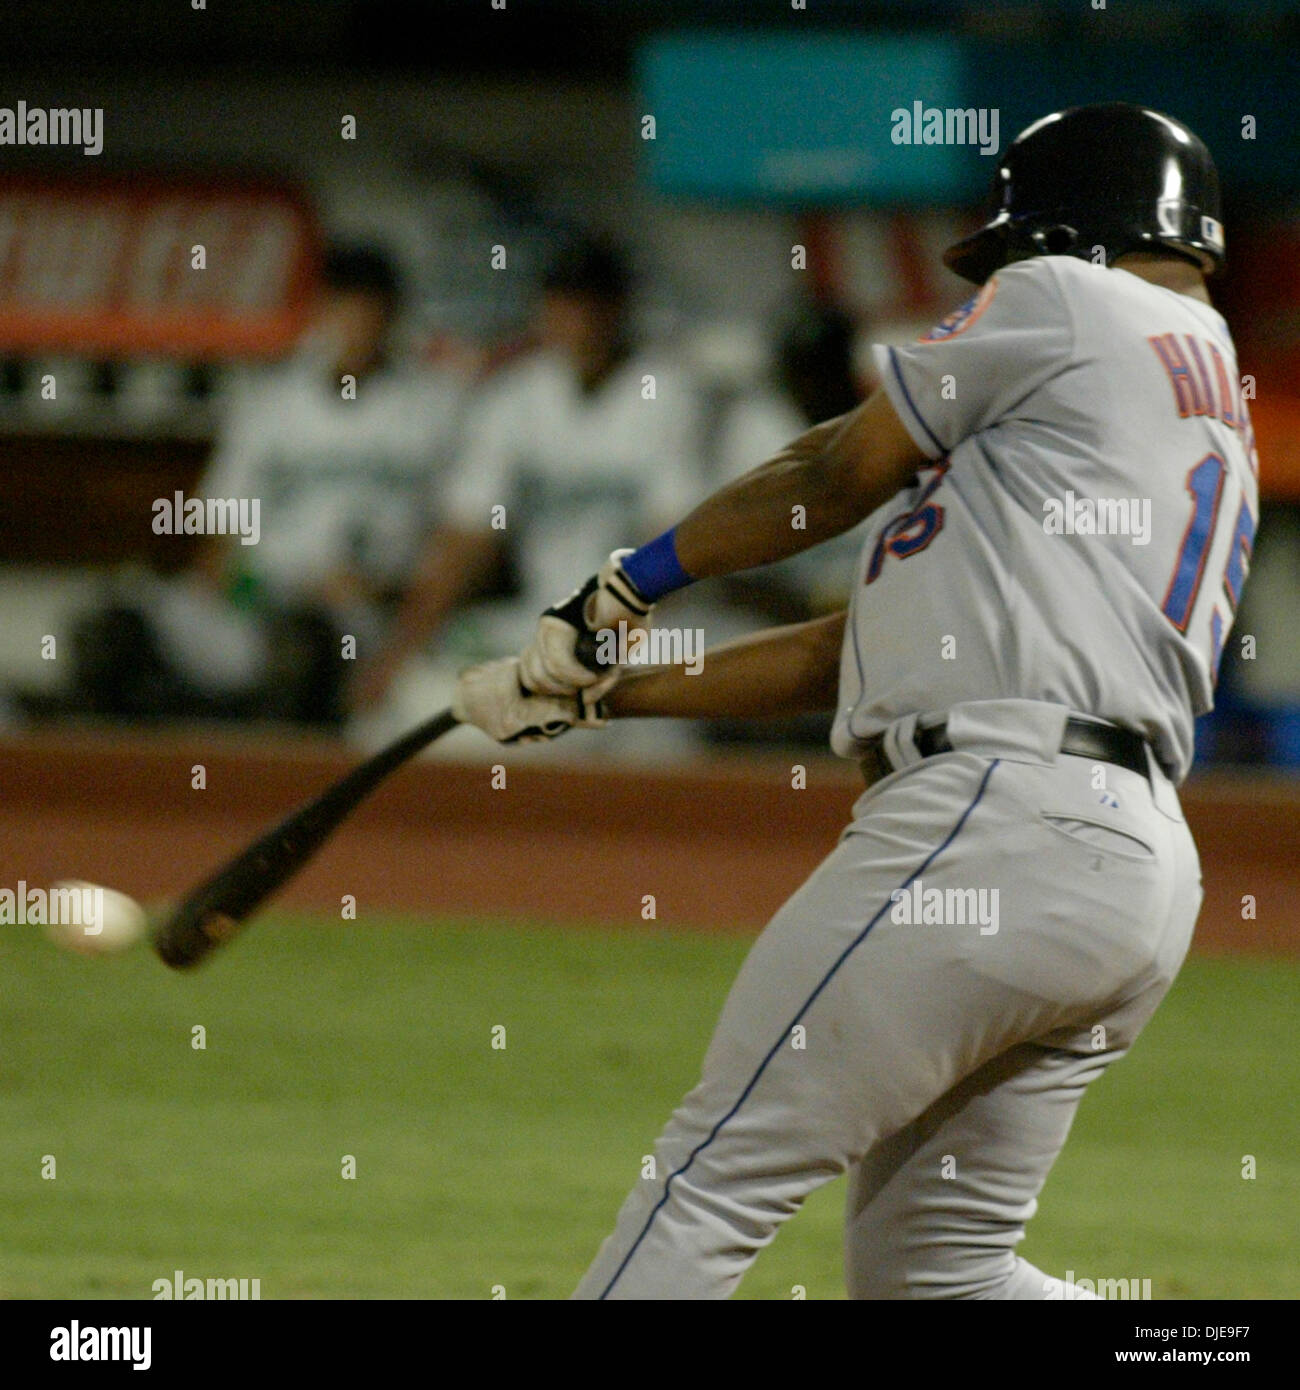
(1103, 743)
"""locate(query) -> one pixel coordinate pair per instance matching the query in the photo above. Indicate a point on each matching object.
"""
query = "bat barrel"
(190, 934)
(218, 907)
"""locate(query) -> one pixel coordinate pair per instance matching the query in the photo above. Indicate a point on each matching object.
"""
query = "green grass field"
(478, 1167)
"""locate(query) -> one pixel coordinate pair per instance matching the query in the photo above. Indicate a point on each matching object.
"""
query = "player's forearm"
(824, 483)
(820, 486)
(782, 671)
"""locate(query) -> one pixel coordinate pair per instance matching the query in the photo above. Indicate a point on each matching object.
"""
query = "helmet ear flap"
(1059, 239)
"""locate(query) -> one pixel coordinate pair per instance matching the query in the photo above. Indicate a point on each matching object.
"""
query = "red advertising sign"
(128, 266)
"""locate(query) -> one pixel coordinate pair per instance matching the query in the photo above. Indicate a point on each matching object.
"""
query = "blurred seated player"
(589, 436)
(813, 378)
(348, 482)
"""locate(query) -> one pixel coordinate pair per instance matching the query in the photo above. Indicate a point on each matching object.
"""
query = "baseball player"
(562, 443)
(1060, 480)
(344, 450)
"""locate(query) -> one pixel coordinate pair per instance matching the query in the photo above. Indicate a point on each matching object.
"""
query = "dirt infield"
(731, 837)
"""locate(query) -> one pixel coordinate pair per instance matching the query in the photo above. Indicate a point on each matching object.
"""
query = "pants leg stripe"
(807, 1004)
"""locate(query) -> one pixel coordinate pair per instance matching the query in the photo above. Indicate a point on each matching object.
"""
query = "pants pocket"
(1097, 834)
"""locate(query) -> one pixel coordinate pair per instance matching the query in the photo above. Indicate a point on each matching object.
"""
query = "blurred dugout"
(148, 359)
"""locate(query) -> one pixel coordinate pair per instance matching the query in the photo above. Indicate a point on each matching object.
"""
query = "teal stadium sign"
(781, 120)
(906, 120)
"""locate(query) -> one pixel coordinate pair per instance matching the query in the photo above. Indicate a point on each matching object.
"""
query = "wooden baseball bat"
(221, 905)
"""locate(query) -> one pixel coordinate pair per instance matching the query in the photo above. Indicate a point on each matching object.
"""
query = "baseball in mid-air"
(92, 920)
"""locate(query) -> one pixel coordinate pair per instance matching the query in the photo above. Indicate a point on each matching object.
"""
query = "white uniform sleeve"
(482, 476)
(445, 403)
(674, 478)
(978, 366)
(233, 468)
(755, 429)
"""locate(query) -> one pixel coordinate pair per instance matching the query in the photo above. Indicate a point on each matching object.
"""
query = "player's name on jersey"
(1098, 516)
(1202, 382)
(651, 646)
(179, 515)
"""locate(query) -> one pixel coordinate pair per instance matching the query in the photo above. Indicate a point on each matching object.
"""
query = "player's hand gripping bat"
(218, 908)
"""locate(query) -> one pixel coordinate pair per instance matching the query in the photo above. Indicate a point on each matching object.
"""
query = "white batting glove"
(490, 697)
(562, 657)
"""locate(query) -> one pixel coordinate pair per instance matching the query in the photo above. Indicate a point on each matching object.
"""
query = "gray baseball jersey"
(1084, 533)
(1079, 544)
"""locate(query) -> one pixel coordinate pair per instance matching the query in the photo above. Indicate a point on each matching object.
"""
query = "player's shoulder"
(1023, 292)
(1103, 300)
(1047, 283)
(1084, 280)
(1078, 291)
(1067, 276)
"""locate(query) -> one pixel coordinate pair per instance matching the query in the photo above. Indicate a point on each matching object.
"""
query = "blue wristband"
(655, 568)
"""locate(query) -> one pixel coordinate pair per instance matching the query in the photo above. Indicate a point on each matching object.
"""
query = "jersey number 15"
(1205, 483)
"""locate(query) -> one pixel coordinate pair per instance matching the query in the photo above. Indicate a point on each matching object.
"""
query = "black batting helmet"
(1112, 175)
